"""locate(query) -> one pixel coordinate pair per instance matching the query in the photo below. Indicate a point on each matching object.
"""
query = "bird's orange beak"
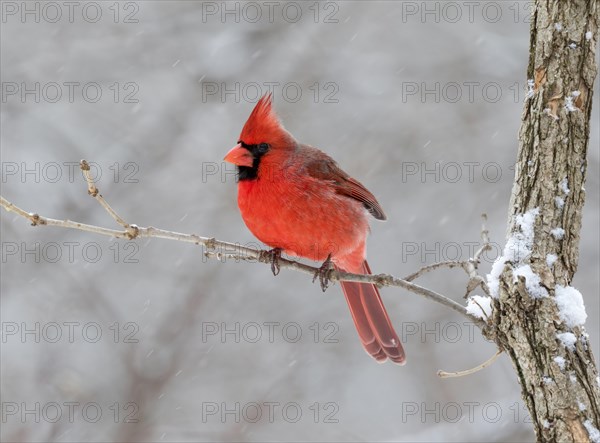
(239, 156)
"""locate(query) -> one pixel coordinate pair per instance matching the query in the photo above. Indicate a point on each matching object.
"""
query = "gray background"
(170, 297)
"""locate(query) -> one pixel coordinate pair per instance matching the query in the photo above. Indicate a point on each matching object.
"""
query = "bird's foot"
(275, 255)
(323, 273)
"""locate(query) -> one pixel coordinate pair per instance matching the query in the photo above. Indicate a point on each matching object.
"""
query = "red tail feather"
(371, 319)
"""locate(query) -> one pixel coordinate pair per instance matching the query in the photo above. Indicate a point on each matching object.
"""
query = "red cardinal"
(296, 199)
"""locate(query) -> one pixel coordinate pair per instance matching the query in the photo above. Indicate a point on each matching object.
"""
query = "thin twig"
(95, 192)
(443, 264)
(485, 364)
(472, 264)
(485, 238)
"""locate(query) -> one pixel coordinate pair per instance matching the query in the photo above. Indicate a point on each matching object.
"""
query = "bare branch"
(238, 252)
(220, 249)
(381, 280)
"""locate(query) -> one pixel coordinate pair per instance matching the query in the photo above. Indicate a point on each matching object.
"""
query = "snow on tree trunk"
(538, 317)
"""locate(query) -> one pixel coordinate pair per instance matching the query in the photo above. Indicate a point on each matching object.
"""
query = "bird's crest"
(263, 126)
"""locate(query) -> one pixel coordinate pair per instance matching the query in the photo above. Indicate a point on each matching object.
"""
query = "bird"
(297, 200)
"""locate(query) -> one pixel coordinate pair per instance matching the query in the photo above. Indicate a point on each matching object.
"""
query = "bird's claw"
(275, 255)
(323, 273)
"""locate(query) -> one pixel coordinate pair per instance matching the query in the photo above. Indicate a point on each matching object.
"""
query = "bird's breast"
(302, 215)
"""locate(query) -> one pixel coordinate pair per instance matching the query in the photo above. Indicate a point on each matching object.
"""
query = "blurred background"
(147, 340)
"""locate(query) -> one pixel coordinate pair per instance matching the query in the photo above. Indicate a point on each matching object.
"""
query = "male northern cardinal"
(296, 199)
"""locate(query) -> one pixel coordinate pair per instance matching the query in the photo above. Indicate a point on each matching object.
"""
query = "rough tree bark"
(559, 380)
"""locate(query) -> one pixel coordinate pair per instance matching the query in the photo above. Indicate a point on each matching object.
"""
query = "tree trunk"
(538, 317)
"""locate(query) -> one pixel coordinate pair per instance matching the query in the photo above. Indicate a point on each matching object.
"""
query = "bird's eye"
(262, 148)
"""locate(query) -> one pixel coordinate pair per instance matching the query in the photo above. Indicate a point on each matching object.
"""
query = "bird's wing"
(320, 166)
